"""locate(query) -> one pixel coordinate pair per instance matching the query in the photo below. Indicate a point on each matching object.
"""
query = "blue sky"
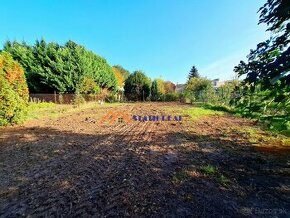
(164, 38)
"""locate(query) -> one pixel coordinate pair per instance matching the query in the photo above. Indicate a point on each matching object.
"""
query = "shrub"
(169, 87)
(112, 97)
(171, 97)
(157, 90)
(13, 91)
(209, 169)
(199, 89)
(78, 100)
(219, 108)
(137, 86)
(88, 86)
(225, 93)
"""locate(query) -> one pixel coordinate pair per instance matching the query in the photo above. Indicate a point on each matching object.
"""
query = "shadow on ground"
(47, 172)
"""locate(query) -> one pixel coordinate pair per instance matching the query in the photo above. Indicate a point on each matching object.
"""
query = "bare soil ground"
(72, 166)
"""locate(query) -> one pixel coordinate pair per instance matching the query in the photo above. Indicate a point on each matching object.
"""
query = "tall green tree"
(268, 66)
(269, 63)
(199, 89)
(137, 86)
(154, 91)
(193, 73)
(157, 89)
(52, 67)
(265, 92)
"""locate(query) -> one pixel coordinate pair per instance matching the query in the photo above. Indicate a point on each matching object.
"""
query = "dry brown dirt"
(73, 166)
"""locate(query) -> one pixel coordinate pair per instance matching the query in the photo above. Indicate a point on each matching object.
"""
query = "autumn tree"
(169, 87)
(119, 76)
(13, 90)
(125, 73)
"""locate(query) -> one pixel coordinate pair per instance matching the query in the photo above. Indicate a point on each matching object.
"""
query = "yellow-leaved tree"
(13, 91)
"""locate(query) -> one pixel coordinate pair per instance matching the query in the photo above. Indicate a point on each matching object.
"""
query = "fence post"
(55, 97)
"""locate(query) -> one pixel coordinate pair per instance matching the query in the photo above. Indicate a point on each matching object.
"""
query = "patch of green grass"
(35, 106)
(215, 174)
(194, 112)
(45, 109)
(37, 110)
(278, 125)
(255, 135)
(252, 134)
(219, 108)
(179, 177)
(286, 141)
(209, 169)
(224, 180)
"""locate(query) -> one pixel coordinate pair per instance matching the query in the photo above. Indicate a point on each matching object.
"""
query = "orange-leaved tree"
(119, 77)
(13, 90)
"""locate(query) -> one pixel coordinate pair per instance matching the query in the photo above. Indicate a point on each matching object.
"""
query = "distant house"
(217, 83)
(180, 88)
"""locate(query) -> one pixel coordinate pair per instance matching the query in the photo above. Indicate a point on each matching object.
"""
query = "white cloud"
(224, 67)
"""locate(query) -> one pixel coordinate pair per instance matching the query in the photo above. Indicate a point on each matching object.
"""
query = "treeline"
(201, 90)
(51, 67)
(264, 94)
(139, 87)
(69, 68)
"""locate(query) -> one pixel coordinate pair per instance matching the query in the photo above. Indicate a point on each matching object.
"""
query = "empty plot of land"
(209, 165)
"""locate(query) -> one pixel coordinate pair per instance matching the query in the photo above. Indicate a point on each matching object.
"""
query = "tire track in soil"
(105, 195)
(132, 170)
(120, 192)
(53, 200)
(125, 170)
(114, 202)
(112, 191)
